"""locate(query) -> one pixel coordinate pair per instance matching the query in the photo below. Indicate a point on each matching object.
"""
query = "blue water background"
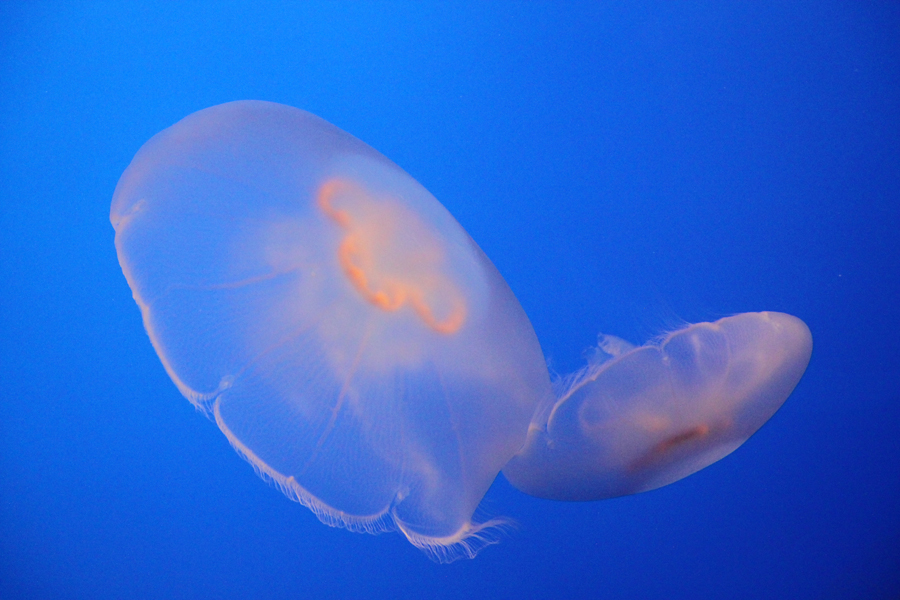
(628, 166)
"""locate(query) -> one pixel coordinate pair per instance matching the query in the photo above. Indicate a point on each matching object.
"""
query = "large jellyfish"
(356, 346)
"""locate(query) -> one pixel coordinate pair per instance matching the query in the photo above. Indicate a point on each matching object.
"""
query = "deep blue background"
(626, 165)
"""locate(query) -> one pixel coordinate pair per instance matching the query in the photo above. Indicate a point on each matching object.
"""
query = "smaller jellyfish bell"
(650, 416)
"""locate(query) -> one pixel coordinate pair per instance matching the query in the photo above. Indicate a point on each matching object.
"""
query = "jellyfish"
(357, 347)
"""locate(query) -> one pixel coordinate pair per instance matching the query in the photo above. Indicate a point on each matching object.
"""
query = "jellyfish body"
(647, 417)
(348, 337)
(356, 346)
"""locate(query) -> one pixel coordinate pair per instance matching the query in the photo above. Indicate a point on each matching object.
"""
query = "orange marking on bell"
(658, 452)
(328, 190)
(685, 436)
(355, 260)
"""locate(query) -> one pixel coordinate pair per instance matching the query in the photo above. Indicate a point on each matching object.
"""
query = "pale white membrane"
(646, 417)
(375, 415)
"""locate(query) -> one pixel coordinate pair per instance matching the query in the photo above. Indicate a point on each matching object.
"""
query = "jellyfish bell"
(652, 415)
(345, 333)
(361, 352)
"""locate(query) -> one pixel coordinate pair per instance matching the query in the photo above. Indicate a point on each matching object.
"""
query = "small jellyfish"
(647, 417)
(357, 347)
